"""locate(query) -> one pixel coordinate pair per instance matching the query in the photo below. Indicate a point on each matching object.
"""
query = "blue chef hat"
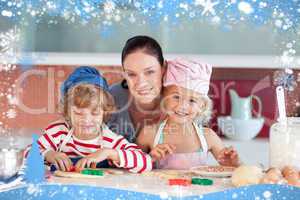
(84, 74)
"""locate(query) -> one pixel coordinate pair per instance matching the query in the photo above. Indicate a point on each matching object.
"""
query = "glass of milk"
(285, 144)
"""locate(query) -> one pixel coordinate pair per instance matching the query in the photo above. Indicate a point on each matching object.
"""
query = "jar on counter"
(285, 144)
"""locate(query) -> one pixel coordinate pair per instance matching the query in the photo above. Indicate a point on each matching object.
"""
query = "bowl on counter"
(11, 160)
(240, 129)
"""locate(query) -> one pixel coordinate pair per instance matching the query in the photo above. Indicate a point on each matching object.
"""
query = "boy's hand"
(92, 159)
(59, 159)
(228, 157)
(161, 150)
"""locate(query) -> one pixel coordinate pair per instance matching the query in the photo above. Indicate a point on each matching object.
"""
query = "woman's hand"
(228, 157)
(92, 159)
(59, 159)
(161, 150)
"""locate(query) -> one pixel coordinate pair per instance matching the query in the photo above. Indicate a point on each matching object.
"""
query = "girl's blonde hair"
(86, 95)
(204, 117)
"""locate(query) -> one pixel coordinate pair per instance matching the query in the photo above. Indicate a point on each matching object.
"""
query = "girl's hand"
(60, 160)
(228, 157)
(92, 159)
(161, 150)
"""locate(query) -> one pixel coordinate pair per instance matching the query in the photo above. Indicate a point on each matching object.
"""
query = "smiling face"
(183, 105)
(143, 74)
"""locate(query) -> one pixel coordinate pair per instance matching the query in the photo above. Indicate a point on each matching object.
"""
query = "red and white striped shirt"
(131, 156)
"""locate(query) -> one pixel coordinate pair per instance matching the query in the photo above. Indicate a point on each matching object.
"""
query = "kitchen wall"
(39, 85)
(37, 90)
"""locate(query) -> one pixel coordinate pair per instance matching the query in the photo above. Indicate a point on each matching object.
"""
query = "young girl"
(180, 142)
(83, 133)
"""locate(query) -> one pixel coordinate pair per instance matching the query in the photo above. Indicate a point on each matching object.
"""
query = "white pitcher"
(241, 107)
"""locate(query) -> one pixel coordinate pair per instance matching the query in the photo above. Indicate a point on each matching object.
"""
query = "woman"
(138, 96)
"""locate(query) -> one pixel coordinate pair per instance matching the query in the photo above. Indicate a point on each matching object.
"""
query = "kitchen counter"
(150, 184)
(251, 152)
(141, 186)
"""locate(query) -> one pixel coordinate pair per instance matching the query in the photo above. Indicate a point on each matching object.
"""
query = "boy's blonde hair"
(85, 95)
